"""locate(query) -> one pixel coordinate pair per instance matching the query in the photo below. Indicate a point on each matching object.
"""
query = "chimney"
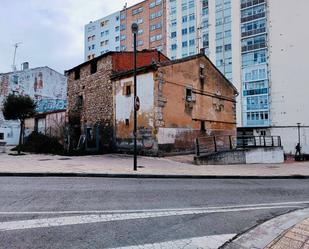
(25, 66)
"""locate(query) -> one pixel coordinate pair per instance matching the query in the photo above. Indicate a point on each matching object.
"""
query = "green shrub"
(39, 143)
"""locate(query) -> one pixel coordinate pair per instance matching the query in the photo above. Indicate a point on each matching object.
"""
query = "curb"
(141, 176)
(262, 235)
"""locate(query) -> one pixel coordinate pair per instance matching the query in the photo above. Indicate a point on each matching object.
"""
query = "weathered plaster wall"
(124, 112)
(178, 121)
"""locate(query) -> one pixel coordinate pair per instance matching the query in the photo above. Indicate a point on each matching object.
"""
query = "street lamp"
(298, 147)
(134, 31)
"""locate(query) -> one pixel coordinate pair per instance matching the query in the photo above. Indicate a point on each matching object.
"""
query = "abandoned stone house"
(90, 109)
(179, 100)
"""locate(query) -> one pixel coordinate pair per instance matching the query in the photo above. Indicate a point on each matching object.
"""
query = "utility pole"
(134, 31)
(14, 57)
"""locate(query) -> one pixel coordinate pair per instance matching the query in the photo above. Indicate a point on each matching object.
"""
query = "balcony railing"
(253, 47)
(253, 32)
(249, 3)
(253, 17)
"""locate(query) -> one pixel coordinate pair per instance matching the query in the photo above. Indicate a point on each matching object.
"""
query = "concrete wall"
(263, 155)
(289, 71)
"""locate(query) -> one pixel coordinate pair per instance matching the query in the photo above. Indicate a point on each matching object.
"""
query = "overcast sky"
(51, 31)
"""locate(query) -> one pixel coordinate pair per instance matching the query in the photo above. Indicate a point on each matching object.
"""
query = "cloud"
(51, 31)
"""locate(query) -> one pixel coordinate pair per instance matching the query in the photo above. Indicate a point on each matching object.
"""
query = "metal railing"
(213, 144)
(258, 141)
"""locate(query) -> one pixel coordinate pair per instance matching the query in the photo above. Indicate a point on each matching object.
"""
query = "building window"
(127, 122)
(184, 31)
(117, 38)
(191, 29)
(192, 42)
(184, 44)
(117, 28)
(127, 89)
(93, 67)
(104, 23)
(174, 46)
(173, 34)
(156, 14)
(189, 94)
(80, 101)
(203, 128)
(77, 74)
(137, 11)
(122, 27)
(139, 21)
(140, 43)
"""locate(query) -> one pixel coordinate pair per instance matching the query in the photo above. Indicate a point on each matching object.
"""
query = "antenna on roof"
(15, 50)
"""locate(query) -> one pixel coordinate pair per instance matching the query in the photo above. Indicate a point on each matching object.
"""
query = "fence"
(213, 144)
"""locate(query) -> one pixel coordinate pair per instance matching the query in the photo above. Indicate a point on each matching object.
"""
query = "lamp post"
(134, 31)
(298, 127)
(298, 147)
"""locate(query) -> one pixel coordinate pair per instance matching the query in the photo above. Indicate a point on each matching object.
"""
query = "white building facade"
(45, 86)
(102, 35)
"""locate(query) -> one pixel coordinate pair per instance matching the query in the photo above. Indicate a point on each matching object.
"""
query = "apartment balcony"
(255, 123)
(253, 17)
(249, 3)
(253, 47)
(253, 32)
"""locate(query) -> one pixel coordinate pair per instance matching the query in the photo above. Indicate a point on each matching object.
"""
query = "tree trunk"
(21, 135)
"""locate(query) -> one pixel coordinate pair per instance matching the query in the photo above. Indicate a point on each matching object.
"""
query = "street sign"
(137, 103)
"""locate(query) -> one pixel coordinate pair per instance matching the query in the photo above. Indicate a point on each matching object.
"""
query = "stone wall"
(90, 99)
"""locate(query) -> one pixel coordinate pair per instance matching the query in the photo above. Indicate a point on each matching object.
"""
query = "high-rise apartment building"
(150, 15)
(256, 44)
(102, 36)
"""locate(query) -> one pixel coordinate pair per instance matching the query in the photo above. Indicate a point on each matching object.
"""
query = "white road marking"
(156, 210)
(98, 218)
(207, 242)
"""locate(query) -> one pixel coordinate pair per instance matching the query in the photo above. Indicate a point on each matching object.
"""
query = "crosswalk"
(53, 219)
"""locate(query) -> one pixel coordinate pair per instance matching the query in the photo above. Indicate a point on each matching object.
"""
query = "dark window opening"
(77, 74)
(93, 67)
(128, 90)
(203, 128)
(80, 101)
(127, 122)
(1, 136)
(201, 71)
(189, 94)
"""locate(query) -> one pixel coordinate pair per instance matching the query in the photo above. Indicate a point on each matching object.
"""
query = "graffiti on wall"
(46, 86)
(48, 105)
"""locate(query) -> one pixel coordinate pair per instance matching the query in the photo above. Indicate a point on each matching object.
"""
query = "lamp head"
(134, 28)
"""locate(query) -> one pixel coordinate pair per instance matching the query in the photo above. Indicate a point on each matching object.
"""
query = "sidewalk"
(288, 231)
(295, 238)
(116, 164)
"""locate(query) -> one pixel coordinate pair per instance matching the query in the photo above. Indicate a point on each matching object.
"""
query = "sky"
(51, 32)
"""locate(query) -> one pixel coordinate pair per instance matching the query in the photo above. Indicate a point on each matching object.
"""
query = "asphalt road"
(145, 213)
